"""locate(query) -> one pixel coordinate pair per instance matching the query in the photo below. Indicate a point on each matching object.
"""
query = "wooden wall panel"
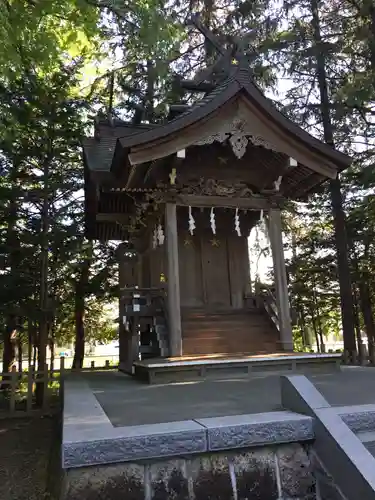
(191, 286)
(238, 269)
(216, 272)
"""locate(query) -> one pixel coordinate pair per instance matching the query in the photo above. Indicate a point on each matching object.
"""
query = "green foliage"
(35, 35)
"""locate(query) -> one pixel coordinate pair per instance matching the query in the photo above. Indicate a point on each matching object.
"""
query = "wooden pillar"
(281, 284)
(173, 281)
(127, 278)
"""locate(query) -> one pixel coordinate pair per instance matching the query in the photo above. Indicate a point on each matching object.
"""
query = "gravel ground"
(26, 448)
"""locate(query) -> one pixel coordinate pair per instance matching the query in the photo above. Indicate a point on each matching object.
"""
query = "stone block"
(115, 482)
(156, 445)
(241, 431)
(358, 418)
(169, 480)
(296, 472)
(255, 474)
(211, 478)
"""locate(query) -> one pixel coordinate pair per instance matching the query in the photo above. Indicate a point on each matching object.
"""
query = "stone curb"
(359, 418)
(89, 438)
(340, 450)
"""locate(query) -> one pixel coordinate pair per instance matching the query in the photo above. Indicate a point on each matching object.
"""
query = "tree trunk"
(357, 324)
(149, 102)
(79, 347)
(35, 352)
(29, 343)
(367, 313)
(52, 349)
(336, 196)
(313, 321)
(79, 311)
(12, 244)
(52, 345)
(20, 353)
(305, 330)
(9, 351)
(43, 322)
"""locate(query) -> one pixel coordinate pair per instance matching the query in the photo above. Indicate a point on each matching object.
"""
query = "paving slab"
(129, 402)
(350, 386)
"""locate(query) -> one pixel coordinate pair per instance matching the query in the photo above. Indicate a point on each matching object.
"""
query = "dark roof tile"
(241, 79)
(99, 152)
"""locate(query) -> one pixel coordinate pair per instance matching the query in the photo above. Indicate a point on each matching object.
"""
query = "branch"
(107, 4)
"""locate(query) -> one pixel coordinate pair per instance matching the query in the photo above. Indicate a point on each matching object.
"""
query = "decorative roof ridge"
(119, 123)
(240, 81)
(207, 97)
(229, 85)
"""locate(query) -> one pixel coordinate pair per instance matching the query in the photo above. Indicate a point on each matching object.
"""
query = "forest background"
(65, 63)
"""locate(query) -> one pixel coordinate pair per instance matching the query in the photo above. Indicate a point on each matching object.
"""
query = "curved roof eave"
(198, 112)
(266, 105)
(240, 82)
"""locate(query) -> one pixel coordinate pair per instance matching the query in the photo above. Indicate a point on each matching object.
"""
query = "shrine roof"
(99, 150)
(239, 83)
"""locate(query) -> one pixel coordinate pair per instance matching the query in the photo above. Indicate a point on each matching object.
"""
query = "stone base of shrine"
(193, 368)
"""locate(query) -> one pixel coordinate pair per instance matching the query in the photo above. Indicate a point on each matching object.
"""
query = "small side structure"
(184, 196)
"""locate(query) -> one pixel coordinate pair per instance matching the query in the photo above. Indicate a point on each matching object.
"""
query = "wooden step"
(237, 334)
(228, 332)
(201, 313)
(225, 327)
(258, 320)
(219, 316)
(218, 348)
(227, 320)
(229, 349)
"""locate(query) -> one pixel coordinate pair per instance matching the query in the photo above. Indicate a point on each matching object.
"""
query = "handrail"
(146, 292)
(270, 305)
(144, 300)
(142, 289)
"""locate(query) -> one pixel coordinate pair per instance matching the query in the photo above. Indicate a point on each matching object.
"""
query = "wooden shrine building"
(186, 194)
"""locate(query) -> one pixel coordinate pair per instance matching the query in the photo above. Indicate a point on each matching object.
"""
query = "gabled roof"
(187, 128)
(99, 150)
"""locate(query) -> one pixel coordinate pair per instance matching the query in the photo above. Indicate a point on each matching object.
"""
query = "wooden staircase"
(244, 331)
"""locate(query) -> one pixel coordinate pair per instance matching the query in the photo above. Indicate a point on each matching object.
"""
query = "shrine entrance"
(204, 273)
(214, 267)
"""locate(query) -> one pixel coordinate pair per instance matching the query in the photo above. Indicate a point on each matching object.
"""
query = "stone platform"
(190, 368)
(126, 439)
(222, 457)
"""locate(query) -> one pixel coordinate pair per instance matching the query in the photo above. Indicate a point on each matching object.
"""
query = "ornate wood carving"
(207, 187)
(213, 187)
(239, 135)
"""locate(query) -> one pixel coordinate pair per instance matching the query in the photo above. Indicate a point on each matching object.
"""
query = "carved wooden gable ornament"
(238, 135)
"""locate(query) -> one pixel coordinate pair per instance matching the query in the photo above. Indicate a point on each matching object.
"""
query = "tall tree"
(344, 274)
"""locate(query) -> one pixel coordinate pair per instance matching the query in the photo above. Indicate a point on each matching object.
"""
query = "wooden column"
(173, 281)
(127, 278)
(281, 284)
